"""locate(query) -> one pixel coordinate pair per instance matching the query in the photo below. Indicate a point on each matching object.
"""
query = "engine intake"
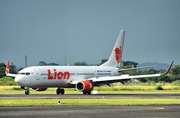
(84, 86)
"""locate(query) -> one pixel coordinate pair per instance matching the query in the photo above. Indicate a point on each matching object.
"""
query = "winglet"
(169, 69)
(7, 68)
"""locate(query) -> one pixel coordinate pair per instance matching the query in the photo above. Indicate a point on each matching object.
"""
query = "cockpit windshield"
(24, 73)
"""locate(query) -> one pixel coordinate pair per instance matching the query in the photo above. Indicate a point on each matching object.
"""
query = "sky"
(69, 31)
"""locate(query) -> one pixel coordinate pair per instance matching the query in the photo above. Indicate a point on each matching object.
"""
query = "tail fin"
(8, 72)
(115, 58)
(7, 68)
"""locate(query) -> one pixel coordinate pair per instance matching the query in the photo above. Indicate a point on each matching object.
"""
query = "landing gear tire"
(26, 92)
(60, 91)
(89, 92)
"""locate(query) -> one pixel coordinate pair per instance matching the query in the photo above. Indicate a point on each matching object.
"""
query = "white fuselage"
(60, 76)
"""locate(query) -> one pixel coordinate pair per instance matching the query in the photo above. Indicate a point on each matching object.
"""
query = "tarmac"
(149, 111)
(162, 111)
(49, 96)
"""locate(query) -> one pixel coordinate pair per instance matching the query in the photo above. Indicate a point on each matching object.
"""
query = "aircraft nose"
(19, 80)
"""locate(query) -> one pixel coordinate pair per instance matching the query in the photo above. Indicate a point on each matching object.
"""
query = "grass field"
(101, 90)
(93, 102)
(87, 102)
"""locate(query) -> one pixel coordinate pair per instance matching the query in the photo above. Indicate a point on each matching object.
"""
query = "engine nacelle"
(39, 89)
(84, 86)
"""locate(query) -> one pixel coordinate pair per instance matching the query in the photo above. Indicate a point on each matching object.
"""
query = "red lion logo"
(118, 54)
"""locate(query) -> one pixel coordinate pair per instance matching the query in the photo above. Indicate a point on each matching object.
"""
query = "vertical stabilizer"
(115, 58)
(7, 68)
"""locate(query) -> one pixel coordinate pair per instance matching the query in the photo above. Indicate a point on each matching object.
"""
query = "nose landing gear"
(27, 92)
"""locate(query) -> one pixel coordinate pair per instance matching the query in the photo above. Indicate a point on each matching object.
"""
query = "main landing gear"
(88, 92)
(60, 91)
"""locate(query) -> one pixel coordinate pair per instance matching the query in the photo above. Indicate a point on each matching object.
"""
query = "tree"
(176, 70)
(53, 64)
(13, 68)
(42, 63)
(151, 71)
(2, 70)
(83, 63)
(103, 61)
(130, 63)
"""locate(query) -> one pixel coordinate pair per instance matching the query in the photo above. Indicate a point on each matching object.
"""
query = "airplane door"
(37, 74)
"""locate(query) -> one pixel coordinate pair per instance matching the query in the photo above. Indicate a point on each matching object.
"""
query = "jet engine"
(84, 86)
(39, 89)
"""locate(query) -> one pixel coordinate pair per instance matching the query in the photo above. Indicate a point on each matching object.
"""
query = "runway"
(170, 111)
(158, 111)
(50, 96)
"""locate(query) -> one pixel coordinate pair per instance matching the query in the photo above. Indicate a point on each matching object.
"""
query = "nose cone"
(19, 80)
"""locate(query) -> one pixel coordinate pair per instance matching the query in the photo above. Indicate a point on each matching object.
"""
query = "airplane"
(83, 78)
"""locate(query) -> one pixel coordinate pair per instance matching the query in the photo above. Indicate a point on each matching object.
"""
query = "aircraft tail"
(7, 71)
(7, 68)
(115, 59)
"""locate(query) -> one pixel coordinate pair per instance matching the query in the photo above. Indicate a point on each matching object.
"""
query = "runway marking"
(158, 108)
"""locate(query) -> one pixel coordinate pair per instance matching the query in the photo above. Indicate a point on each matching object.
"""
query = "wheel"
(58, 91)
(88, 92)
(26, 92)
(62, 91)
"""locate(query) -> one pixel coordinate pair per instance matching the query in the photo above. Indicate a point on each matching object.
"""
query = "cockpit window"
(27, 73)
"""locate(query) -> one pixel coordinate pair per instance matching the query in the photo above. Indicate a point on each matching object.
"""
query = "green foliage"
(176, 70)
(53, 64)
(17, 89)
(88, 102)
(83, 63)
(103, 61)
(7, 81)
(2, 70)
(158, 86)
(172, 76)
(177, 84)
(43, 63)
(130, 63)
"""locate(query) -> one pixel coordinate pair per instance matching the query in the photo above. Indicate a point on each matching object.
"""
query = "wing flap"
(130, 69)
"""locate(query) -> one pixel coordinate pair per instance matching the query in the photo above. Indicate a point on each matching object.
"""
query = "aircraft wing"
(110, 79)
(126, 77)
(11, 75)
(129, 69)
